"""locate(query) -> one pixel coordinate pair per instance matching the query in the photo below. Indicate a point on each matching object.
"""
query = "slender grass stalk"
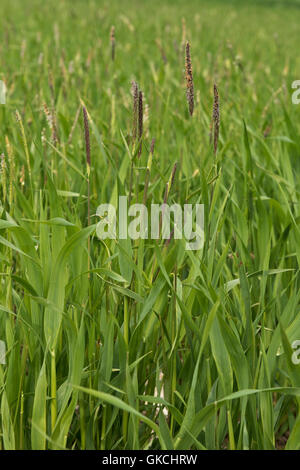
(20, 402)
(53, 406)
(11, 161)
(135, 100)
(140, 122)
(183, 33)
(74, 125)
(51, 87)
(155, 271)
(126, 321)
(167, 192)
(173, 357)
(53, 112)
(209, 331)
(24, 140)
(146, 119)
(88, 170)
(51, 123)
(45, 162)
(148, 171)
(103, 428)
(21, 444)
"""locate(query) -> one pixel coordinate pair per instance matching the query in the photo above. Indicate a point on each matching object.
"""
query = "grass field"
(142, 344)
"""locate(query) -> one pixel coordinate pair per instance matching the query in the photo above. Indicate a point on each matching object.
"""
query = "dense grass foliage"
(121, 344)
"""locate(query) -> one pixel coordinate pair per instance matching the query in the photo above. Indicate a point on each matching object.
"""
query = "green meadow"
(143, 344)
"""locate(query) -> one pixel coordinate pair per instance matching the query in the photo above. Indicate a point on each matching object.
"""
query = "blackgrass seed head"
(3, 175)
(135, 98)
(216, 118)
(87, 137)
